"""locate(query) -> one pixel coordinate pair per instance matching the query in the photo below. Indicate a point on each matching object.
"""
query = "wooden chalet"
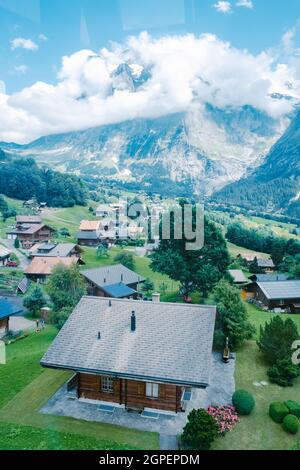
(276, 295)
(115, 281)
(57, 250)
(89, 233)
(133, 354)
(29, 234)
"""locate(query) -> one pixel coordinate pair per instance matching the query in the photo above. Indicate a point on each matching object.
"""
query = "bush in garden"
(243, 402)
(200, 430)
(225, 416)
(278, 411)
(291, 424)
(294, 407)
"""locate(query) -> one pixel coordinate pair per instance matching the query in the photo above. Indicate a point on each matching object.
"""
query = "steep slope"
(276, 183)
(195, 152)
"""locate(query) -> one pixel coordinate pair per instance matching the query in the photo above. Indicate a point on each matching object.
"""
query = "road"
(24, 261)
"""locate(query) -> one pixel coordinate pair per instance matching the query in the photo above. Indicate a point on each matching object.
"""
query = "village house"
(135, 355)
(113, 281)
(56, 250)
(7, 309)
(89, 233)
(266, 265)
(41, 268)
(276, 295)
(29, 234)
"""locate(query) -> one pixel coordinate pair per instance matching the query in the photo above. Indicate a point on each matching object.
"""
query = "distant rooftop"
(44, 265)
(81, 235)
(268, 277)
(278, 290)
(89, 225)
(59, 250)
(110, 275)
(265, 263)
(28, 219)
(237, 275)
(172, 343)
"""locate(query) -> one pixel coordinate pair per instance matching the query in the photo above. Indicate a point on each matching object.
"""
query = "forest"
(22, 178)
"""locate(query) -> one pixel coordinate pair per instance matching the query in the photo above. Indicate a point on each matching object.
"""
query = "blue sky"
(58, 58)
(71, 25)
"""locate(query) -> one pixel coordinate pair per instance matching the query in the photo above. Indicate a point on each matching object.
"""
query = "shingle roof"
(108, 275)
(44, 265)
(61, 249)
(172, 342)
(8, 308)
(237, 275)
(30, 229)
(119, 290)
(278, 290)
(265, 263)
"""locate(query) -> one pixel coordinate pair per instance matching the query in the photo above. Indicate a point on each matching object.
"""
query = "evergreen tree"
(35, 300)
(126, 259)
(275, 342)
(232, 320)
(200, 430)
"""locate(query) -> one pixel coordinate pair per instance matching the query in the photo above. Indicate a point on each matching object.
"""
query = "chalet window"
(281, 302)
(107, 384)
(151, 390)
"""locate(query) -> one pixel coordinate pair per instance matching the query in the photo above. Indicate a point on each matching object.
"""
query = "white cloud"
(245, 3)
(43, 37)
(222, 6)
(2, 87)
(184, 70)
(23, 43)
(22, 69)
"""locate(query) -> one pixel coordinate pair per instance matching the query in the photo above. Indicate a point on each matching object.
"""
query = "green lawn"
(25, 387)
(258, 431)
(142, 267)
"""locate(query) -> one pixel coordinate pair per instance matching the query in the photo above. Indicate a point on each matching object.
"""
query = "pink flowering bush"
(226, 417)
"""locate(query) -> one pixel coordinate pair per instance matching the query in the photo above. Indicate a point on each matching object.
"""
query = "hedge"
(278, 411)
(243, 402)
(293, 407)
(291, 424)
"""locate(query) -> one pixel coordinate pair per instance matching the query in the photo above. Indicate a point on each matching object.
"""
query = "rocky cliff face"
(199, 151)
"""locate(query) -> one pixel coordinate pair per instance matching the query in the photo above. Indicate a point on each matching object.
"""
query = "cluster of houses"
(269, 290)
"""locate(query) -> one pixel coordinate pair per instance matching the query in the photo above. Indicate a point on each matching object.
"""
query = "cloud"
(183, 70)
(20, 69)
(245, 4)
(23, 43)
(43, 37)
(222, 7)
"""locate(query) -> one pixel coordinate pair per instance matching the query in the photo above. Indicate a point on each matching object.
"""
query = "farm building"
(41, 268)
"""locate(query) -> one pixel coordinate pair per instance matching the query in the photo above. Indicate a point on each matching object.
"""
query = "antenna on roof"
(109, 303)
(122, 277)
(99, 335)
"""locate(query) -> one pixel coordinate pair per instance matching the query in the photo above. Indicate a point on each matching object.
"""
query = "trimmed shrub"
(200, 430)
(291, 424)
(294, 407)
(243, 402)
(278, 411)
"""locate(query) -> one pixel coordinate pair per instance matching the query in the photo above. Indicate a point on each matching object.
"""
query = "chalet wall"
(130, 393)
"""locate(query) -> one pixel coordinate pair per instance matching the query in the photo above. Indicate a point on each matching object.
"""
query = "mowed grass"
(26, 386)
(142, 267)
(258, 431)
(235, 250)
